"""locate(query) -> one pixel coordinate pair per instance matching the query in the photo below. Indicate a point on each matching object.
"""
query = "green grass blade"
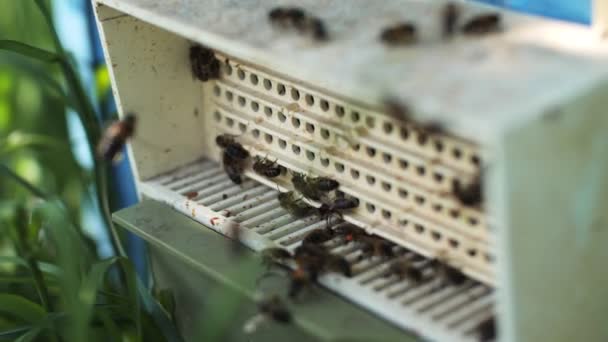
(21, 181)
(30, 335)
(28, 50)
(21, 307)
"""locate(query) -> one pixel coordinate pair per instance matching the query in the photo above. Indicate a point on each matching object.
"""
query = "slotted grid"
(435, 309)
(401, 176)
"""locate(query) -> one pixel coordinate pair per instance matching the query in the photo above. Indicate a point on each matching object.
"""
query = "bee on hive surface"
(349, 232)
(482, 24)
(449, 18)
(272, 308)
(115, 137)
(404, 269)
(234, 156)
(396, 109)
(446, 274)
(266, 168)
(203, 63)
(294, 205)
(313, 187)
(400, 34)
(469, 194)
(318, 30)
(275, 255)
(376, 246)
(318, 236)
(336, 207)
(486, 331)
(298, 19)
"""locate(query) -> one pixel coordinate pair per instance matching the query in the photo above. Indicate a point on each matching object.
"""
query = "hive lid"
(478, 86)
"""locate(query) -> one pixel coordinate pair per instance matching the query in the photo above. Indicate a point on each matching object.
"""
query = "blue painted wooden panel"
(572, 10)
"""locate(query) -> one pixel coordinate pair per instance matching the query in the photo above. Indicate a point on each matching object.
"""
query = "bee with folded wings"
(115, 137)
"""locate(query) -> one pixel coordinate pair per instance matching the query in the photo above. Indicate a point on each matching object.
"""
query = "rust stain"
(258, 120)
(190, 195)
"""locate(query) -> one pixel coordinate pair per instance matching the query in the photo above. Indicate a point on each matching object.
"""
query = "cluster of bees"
(205, 66)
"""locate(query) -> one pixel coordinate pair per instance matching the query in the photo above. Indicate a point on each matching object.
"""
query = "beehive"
(522, 107)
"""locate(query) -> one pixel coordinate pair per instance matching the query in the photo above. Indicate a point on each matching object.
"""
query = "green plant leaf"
(28, 50)
(30, 335)
(21, 307)
(45, 267)
(17, 140)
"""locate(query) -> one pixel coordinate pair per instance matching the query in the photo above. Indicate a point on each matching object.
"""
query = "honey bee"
(115, 137)
(203, 63)
(318, 30)
(234, 156)
(295, 206)
(318, 236)
(349, 232)
(449, 19)
(396, 110)
(469, 194)
(447, 274)
(313, 187)
(336, 207)
(486, 331)
(287, 16)
(404, 269)
(482, 24)
(275, 255)
(400, 34)
(376, 246)
(266, 168)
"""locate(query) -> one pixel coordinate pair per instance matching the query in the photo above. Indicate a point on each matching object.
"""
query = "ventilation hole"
(370, 207)
(438, 146)
(454, 213)
(255, 133)
(403, 193)
(228, 69)
(475, 160)
(281, 89)
(253, 78)
(405, 133)
(438, 177)
(242, 101)
(422, 138)
(229, 122)
(241, 74)
(387, 158)
(255, 106)
(310, 128)
(419, 228)
(453, 243)
(282, 117)
(310, 155)
(217, 116)
(386, 214)
(268, 111)
(356, 147)
(295, 94)
(268, 138)
(388, 127)
(371, 180)
(242, 127)
(295, 122)
(370, 121)
(282, 143)
(309, 99)
(354, 173)
(472, 252)
(457, 153)
(324, 133)
(339, 167)
(386, 186)
(437, 207)
(325, 162)
(371, 151)
(436, 235)
(421, 170)
(473, 221)
(355, 116)
(339, 111)
(419, 199)
(403, 164)
(295, 149)
(267, 84)
(403, 222)
(229, 95)
(216, 90)
(324, 105)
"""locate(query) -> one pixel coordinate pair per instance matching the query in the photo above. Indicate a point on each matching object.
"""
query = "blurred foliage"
(53, 285)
